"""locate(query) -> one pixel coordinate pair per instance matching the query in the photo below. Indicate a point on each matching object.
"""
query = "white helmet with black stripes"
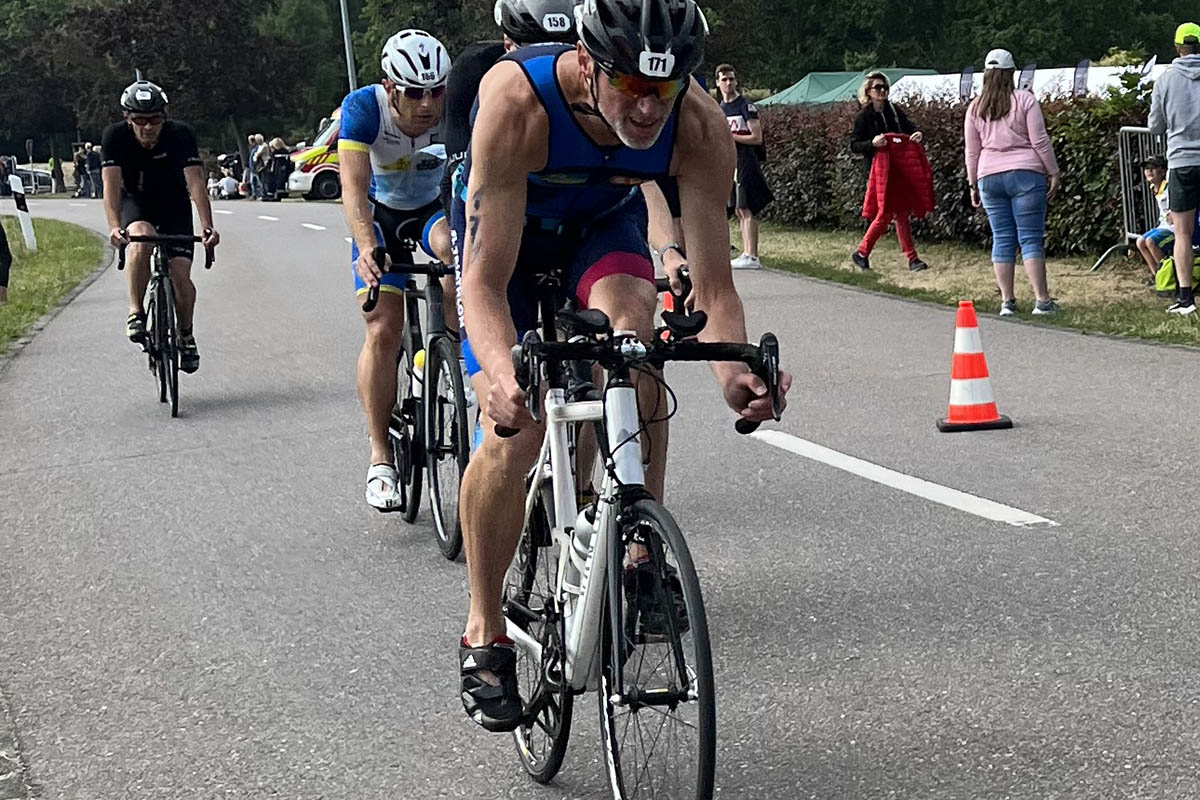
(413, 58)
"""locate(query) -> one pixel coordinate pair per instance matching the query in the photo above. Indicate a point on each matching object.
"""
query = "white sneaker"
(1181, 309)
(739, 262)
(746, 261)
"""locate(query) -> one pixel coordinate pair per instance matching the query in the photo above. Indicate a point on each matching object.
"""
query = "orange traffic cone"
(972, 404)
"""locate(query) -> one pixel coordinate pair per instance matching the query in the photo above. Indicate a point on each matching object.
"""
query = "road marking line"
(268, 219)
(77, 205)
(348, 239)
(979, 506)
(312, 227)
(221, 211)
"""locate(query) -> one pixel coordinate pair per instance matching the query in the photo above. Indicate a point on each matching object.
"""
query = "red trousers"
(879, 226)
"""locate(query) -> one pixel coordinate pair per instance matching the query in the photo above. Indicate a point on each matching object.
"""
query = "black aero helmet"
(536, 21)
(144, 97)
(656, 39)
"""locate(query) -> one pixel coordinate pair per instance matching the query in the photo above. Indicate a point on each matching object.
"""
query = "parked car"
(315, 169)
(45, 183)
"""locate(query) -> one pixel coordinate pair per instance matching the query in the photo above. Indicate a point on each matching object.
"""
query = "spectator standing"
(1175, 111)
(258, 163)
(750, 191)
(1013, 173)
(878, 117)
(5, 191)
(58, 182)
(83, 181)
(92, 162)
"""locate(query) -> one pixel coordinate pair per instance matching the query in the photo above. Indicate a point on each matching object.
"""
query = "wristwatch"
(660, 252)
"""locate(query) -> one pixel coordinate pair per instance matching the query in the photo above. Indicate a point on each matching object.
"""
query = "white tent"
(1046, 83)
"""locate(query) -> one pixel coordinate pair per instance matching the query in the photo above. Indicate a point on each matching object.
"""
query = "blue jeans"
(1015, 202)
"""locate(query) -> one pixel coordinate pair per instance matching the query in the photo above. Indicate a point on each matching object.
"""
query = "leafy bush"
(818, 182)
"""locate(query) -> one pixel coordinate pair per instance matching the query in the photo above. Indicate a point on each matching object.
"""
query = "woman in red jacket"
(878, 117)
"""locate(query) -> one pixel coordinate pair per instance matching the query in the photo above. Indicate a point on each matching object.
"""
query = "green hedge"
(818, 182)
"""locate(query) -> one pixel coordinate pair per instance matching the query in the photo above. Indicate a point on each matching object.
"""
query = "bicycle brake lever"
(379, 254)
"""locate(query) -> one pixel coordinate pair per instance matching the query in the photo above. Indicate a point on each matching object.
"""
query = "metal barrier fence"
(1139, 209)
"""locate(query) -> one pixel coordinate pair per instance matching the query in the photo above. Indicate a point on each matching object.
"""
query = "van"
(315, 168)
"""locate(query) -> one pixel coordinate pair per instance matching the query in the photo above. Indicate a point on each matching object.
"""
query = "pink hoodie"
(1018, 141)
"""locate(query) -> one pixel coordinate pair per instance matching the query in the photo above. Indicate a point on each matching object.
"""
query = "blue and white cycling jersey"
(406, 171)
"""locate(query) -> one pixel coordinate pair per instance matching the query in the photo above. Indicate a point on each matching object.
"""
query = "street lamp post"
(349, 50)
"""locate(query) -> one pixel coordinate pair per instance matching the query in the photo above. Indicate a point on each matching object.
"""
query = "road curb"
(16, 347)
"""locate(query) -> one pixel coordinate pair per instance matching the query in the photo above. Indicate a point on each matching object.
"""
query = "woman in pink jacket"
(1012, 172)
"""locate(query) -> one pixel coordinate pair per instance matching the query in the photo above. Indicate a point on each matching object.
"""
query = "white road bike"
(606, 598)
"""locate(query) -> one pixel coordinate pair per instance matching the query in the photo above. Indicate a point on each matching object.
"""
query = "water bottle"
(581, 546)
(418, 373)
(477, 439)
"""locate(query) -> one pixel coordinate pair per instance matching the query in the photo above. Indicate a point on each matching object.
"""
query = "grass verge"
(1111, 301)
(38, 281)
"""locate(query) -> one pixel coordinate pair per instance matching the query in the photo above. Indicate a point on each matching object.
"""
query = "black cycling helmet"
(144, 97)
(656, 39)
(537, 21)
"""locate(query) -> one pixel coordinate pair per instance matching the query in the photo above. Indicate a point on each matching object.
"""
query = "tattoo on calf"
(473, 221)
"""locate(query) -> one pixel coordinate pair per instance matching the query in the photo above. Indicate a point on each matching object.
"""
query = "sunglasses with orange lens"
(636, 86)
(142, 122)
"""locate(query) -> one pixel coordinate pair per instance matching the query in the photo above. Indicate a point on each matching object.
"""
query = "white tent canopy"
(1046, 83)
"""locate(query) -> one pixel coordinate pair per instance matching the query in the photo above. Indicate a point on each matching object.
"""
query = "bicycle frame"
(582, 611)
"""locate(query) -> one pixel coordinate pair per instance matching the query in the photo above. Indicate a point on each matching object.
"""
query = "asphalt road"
(205, 608)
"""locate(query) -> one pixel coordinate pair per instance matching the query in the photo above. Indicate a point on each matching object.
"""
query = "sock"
(1185, 295)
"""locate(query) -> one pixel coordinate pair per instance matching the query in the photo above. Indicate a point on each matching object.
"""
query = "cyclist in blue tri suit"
(561, 140)
(391, 161)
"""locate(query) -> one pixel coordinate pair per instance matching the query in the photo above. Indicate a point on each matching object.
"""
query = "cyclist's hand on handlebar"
(118, 237)
(673, 262)
(746, 394)
(210, 238)
(506, 403)
(367, 269)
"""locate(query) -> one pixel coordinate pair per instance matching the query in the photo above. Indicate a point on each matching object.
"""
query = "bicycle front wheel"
(446, 450)
(657, 704)
(547, 701)
(403, 432)
(169, 354)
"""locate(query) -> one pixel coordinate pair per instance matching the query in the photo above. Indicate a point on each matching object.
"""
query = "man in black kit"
(151, 167)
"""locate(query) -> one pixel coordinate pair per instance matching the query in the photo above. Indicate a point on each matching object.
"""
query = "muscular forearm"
(492, 333)
(199, 194)
(358, 217)
(726, 323)
(748, 138)
(112, 200)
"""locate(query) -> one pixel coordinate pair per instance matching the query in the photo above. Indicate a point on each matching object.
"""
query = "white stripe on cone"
(967, 340)
(971, 391)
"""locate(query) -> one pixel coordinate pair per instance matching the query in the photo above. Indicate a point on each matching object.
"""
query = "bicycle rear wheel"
(169, 354)
(529, 604)
(659, 737)
(447, 448)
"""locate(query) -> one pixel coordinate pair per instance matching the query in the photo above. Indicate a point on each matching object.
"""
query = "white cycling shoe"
(383, 492)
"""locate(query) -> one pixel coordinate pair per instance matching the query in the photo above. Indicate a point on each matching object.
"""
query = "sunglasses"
(879, 87)
(636, 86)
(415, 94)
(142, 122)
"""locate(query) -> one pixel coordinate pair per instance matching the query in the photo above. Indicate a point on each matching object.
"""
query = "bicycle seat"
(586, 322)
(685, 326)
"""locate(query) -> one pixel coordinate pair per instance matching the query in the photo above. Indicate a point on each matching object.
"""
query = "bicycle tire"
(447, 447)
(154, 338)
(404, 451)
(529, 586)
(630, 772)
(169, 355)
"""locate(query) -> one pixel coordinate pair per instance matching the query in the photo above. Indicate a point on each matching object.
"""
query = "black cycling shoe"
(189, 356)
(494, 708)
(860, 261)
(643, 594)
(916, 265)
(135, 328)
